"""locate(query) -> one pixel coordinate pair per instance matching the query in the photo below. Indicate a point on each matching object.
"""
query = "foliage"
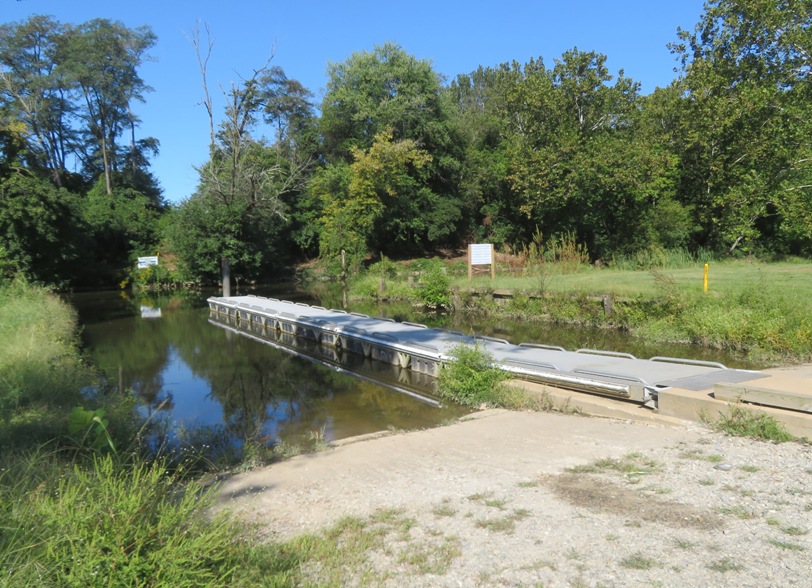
(102, 525)
(388, 102)
(72, 88)
(41, 371)
(66, 96)
(435, 290)
(247, 188)
(470, 377)
(742, 422)
(42, 233)
(374, 179)
(746, 122)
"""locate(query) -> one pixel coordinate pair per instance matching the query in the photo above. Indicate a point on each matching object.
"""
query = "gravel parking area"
(537, 499)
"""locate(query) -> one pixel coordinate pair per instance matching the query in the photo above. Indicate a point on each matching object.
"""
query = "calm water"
(197, 377)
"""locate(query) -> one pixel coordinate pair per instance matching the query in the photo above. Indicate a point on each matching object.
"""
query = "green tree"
(33, 93)
(577, 163)
(378, 178)
(388, 89)
(480, 114)
(101, 58)
(41, 231)
(241, 206)
(746, 139)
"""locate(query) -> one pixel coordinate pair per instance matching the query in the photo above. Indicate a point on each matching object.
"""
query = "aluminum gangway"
(424, 350)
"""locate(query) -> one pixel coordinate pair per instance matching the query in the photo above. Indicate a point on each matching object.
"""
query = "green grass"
(113, 524)
(638, 561)
(634, 463)
(761, 309)
(785, 545)
(725, 565)
(741, 422)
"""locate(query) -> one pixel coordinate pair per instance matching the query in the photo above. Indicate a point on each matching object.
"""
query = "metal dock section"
(424, 350)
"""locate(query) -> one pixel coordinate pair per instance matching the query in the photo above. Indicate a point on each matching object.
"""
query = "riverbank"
(515, 498)
(757, 309)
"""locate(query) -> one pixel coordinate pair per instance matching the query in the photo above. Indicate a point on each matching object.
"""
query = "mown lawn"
(793, 278)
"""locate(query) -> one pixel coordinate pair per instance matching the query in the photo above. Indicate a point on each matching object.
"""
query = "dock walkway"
(424, 350)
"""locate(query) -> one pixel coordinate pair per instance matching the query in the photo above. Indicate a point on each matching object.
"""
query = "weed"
(638, 561)
(786, 545)
(741, 422)
(444, 510)
(496, 503)
(612, 537)
(528, 484)
(706, 482)
(749, 469)
(430, 558)
(794, 531)
(632, 464)
(501, 525)
(683, 544)
(470, 378)
(725, 565)
(737, 511)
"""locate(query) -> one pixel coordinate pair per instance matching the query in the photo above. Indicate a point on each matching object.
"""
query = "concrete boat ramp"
(676, 387)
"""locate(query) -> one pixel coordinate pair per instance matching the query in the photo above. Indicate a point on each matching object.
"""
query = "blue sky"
(304, 36)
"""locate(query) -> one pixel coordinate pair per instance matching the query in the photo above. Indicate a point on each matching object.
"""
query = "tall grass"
(41, 370)
(76, 508)
(106, 525)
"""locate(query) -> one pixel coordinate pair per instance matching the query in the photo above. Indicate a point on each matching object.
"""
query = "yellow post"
(705, 287)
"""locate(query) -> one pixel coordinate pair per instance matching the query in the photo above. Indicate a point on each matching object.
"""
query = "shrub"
(436, 290)
(106, 525)
(741, 422)
(470, 378)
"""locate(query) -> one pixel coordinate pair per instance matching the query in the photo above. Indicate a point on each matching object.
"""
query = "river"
(204, 384)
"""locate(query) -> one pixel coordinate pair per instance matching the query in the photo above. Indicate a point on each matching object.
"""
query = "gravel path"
(536, 499)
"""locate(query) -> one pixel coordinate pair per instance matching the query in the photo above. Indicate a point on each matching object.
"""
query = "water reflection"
(202, 380)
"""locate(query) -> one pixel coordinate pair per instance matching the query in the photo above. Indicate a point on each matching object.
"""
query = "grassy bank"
(80, 503)
(761, 309)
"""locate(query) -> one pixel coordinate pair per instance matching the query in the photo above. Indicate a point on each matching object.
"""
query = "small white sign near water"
(144, 262)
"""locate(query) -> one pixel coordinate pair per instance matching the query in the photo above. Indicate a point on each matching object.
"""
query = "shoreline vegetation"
(84, 504)
(756, 308)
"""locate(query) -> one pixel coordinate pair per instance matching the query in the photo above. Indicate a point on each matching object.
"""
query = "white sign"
(148, 312)
(481, 254)
(147, 261)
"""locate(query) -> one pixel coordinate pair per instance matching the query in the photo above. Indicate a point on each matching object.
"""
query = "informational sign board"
(148, 312)
(144, 262)
(480, 254)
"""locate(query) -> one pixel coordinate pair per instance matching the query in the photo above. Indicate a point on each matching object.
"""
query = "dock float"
(423, 350)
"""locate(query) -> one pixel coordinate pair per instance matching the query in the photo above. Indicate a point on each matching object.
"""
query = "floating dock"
(423, 351)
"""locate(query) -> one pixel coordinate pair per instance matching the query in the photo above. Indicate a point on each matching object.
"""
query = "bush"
(436, 290)
(741, 422)
(107, 525)
(471, 379)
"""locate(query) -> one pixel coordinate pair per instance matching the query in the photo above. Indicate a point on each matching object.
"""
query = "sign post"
(145, 262)
(480, 254)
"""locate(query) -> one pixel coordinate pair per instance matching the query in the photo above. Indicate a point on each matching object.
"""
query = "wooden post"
(470, 267)
(493, 264)
(226, 271)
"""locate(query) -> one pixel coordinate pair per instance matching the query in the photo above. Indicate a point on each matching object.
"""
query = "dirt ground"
(537, 499)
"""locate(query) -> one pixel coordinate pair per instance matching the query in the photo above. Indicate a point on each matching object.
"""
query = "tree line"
(398, 161)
